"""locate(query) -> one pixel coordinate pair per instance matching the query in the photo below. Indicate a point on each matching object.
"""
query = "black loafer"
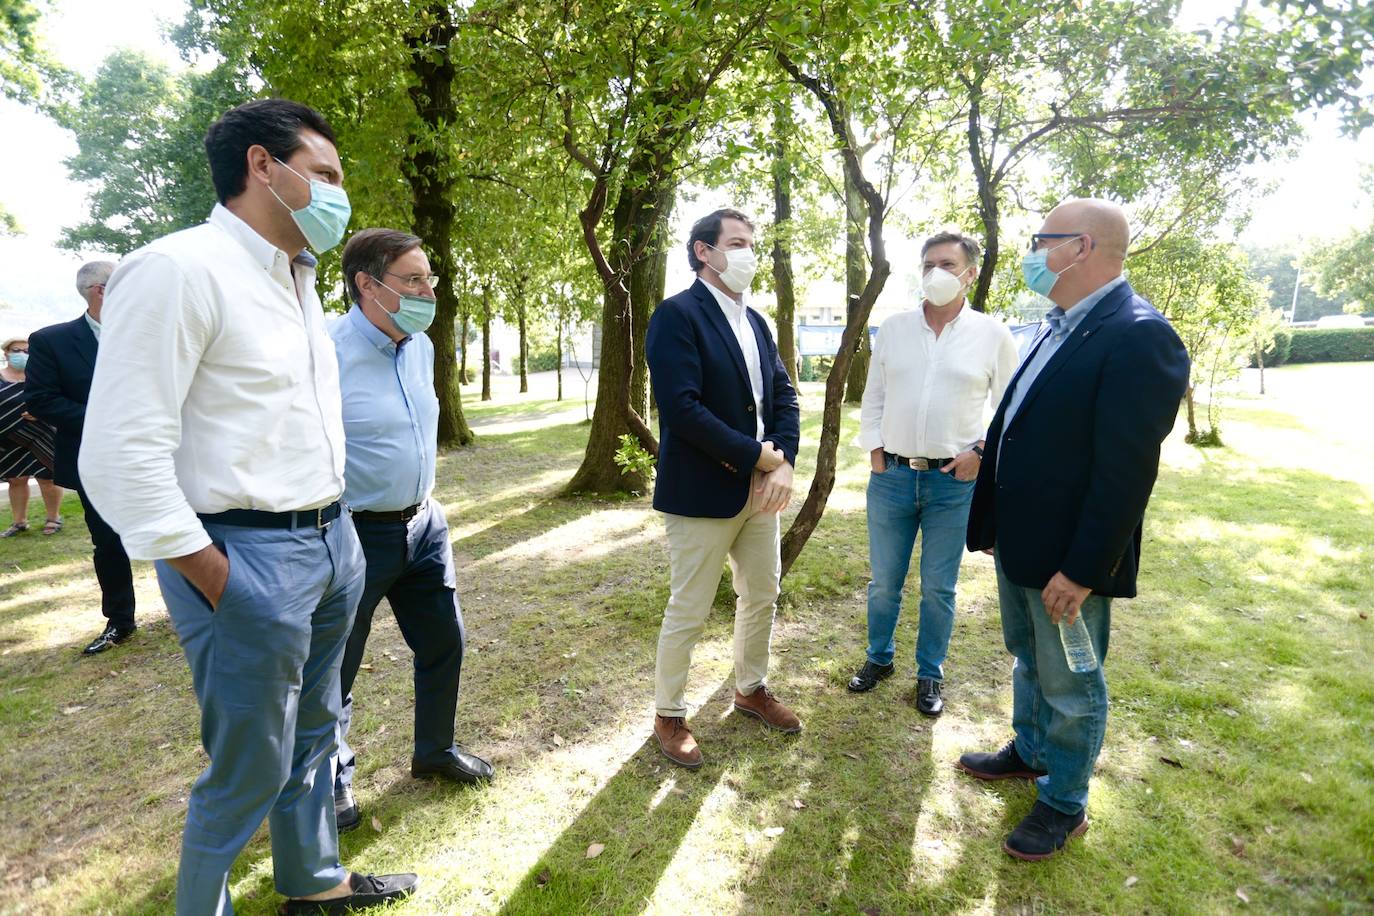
(368, 891)
(1005, 764)
(928, 699)
(869, 676)
(346, 813)
(458, 766)
(1044, 832)
(112, 637)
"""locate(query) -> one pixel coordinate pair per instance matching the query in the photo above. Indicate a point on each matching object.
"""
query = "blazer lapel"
(716, 318)
(1086, 328)
(85, 341)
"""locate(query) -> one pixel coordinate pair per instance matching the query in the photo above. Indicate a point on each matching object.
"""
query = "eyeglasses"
(1040, 238)
(414, 281)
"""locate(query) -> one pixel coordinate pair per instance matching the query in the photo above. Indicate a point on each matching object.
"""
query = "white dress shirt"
(928, 396)
(216, 388)
(748, 344)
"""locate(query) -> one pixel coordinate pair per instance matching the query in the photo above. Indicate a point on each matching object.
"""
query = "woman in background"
(26, 446)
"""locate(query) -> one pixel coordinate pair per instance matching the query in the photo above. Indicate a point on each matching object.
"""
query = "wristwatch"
(977, 450)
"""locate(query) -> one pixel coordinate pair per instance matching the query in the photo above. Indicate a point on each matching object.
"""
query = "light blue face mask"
(17, 360)
(324, 219)
(415, 314)
(1037, 274)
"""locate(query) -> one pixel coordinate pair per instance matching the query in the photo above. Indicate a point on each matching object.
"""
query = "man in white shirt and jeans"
(933, 372)
(214, 445)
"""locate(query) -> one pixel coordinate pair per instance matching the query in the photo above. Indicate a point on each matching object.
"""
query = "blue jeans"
(1059, 717)
(265, 668)
(411, 565)
(900, 502)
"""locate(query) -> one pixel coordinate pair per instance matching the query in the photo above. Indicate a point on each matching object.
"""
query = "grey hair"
(971, 249)
(93, 273)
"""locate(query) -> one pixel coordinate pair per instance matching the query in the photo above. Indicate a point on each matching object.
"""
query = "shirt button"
(750, 408)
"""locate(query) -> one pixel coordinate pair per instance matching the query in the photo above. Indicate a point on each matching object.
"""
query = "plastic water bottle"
(1078, 646)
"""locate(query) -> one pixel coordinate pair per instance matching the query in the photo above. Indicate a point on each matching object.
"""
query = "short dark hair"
(973, 252)
(372, 251)
(707, 229)
(274, 124)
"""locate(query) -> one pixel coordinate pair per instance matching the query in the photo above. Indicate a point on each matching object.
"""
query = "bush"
(545, 360)
(815, 368)
(1278, 352)
(1331, 345)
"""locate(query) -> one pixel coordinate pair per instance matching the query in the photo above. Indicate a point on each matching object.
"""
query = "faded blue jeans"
(902, 501)
(1059, 717)
(265, 668)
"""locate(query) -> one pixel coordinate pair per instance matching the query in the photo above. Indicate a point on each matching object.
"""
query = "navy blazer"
(57, 382)
(1066, 489)
(706, 444)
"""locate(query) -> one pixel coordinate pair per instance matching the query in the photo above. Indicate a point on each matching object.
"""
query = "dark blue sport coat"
(706, 444)
(1066, 489)
(57, 383)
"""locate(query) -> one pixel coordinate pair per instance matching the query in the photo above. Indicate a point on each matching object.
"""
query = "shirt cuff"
(870, 439)
(166, 546)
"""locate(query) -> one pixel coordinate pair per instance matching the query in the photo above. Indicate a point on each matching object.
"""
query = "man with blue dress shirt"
(391, 426)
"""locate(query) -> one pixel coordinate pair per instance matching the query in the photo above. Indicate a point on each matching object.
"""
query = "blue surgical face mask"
(17, 360)
(1037, 274)
(415, 314)
(324, 219)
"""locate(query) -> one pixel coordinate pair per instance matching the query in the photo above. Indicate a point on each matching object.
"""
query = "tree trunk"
(463, 345)
(1259, 358)
(558, 363)
(813, 507)
(433, 197)
(524, 349)
(782, 251)
(855, 276)
(988, 209)
(642, 218)
(1192, 416)
(486, 342)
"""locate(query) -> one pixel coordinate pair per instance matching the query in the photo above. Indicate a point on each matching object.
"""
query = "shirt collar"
(261, 250)
(731, 307)
(1063, 322)
(370, 332)
(921, 310)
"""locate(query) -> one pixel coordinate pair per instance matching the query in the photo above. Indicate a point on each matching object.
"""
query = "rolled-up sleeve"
(154, 331)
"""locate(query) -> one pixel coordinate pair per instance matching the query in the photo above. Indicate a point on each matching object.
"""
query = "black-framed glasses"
(415, 280)
(1038, 238)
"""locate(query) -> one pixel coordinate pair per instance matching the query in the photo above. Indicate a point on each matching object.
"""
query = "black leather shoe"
(869, 676)
(368, 891)
(459, 766)
(1005, 764)
(346, 813)
(928, 699)
(112, 637)
(1044, 832)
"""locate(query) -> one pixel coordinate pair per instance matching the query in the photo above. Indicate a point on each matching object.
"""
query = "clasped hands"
(772, 480)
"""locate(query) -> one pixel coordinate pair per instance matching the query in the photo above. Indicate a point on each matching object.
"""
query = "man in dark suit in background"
(61, 362)
(729, 431)
(1071, 458)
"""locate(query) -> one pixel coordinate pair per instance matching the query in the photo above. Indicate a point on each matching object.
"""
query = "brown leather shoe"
(676, 741)
(761, 704)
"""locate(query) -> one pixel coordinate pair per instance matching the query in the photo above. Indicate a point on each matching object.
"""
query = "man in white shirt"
(214, 445)
(933, 373)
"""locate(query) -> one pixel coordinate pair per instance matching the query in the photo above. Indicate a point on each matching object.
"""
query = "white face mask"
(940, 287)
(740, 266)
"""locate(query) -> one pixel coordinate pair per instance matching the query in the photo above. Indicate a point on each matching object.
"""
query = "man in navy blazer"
(1071, 458)
(729, 432)
(57, 384)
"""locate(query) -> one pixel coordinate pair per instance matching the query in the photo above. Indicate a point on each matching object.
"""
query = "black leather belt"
(405, 515)
(920, 464)
(257, 518)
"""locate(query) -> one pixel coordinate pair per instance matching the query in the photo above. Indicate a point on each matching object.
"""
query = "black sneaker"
(1044, 832)
(928, 699)
(869, 676)
(1005, 764)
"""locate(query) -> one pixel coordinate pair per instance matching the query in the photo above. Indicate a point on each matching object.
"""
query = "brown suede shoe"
(676, 741)
(761, 704)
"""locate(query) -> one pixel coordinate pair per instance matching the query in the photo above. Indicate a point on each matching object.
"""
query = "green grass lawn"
(1247, 661)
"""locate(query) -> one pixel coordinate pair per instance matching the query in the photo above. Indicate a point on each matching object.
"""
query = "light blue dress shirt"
(93, 325)
(390, 415)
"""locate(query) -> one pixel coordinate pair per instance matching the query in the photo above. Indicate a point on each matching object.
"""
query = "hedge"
(1331, 345)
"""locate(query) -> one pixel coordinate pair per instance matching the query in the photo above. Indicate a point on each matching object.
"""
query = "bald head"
(1103, 220)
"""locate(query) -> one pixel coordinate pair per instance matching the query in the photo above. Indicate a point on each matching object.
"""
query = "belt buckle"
(320, 523)
(920, 464)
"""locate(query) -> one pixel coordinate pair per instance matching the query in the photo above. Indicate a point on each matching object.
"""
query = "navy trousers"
(265, 668)
(112, 569)
(411, 565)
